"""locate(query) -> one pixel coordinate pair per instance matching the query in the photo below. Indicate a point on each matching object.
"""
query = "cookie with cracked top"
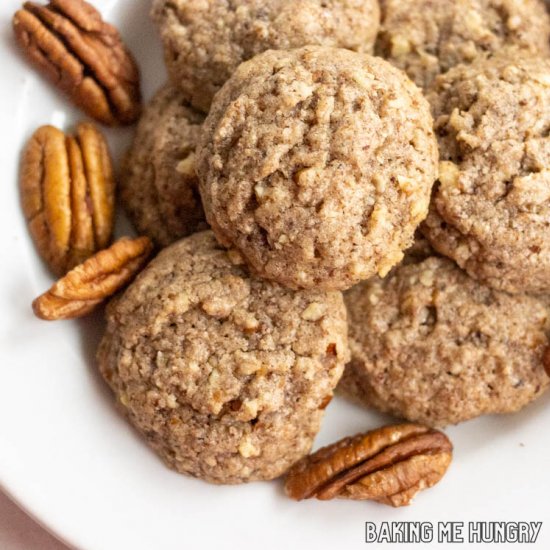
(491, 207)
(317, 164)
(158, 184)
(432, 345)
(426, 38)
(225, 375)
(205, 41)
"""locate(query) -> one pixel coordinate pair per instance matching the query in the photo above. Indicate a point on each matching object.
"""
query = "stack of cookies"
(299, 187)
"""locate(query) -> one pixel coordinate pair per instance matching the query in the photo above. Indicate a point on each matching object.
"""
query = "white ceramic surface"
(74, 464)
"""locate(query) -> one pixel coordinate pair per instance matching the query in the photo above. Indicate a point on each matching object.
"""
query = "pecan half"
(68, 41)
(99, 277)
(68, 194)
(388, 465)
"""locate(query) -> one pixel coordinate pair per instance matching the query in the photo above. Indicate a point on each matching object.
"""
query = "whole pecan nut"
(99, 277)
(389, 465)
(68, 41)
(68, 194)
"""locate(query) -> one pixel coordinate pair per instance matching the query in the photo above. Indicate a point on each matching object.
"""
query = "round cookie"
(491, 208)
(317, 165)
(225, 375)
(158, 184)
(432, 345)
(428, 37)
(205, 41)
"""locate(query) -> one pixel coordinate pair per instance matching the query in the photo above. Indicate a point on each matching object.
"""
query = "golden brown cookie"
(432, 345)
(159, 186)
(491, 209)
(204, 42)
(225, 375)
(317, 164)
(428, 37)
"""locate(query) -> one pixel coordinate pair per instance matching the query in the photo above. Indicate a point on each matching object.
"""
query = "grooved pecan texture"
(389, 465)
(68, 194)
(68, 41)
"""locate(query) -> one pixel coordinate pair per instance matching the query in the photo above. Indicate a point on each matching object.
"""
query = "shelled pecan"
(546, 361)
(68, 41)
(68, 193)
(99, 277)
(389, 465)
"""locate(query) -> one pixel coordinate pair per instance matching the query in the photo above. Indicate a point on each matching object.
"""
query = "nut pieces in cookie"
(68, 193)
(68, 41)
(546, 361)
(434, 346)
(426, 38)
(220, 370)
(158, 185)
(204, 42)
(317, 164)
(491, 208)
(389, 465)
(90, 283)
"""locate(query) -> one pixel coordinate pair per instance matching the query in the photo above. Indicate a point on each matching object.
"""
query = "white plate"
(73, 463)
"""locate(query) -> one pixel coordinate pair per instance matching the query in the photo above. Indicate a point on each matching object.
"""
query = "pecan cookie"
(491, 208)
(159, 187)
(428, 37)
(205, 42)
(225, 375)
(317, 164)
(432, 345)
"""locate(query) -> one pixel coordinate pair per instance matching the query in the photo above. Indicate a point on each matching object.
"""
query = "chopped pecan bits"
(331, 350)
(68, 194)
(546, 361)
(68, 41)
(99, 277)
(325, 402)
(389, 465)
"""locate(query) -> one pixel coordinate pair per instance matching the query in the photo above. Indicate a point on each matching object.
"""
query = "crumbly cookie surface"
(491, 210)
(432, 345)
(158, 185)
(428, 37)
(317, 165)
(205, 41)
(225, 375)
